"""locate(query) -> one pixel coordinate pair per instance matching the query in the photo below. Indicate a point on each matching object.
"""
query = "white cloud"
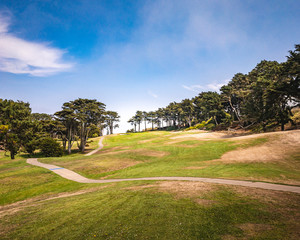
(193, 88)
(212, 86)
(152, 94)
(24, 57)
(217, 85)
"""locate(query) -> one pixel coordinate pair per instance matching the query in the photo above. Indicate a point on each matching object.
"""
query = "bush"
(210, 126)
(31, 146)
(95, 135)
(50, 147)
(203, 125)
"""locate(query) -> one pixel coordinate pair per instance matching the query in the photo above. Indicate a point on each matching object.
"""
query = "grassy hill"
(38, 204)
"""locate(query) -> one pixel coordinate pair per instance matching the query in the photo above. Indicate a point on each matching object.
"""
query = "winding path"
(73, 176)
(100, 144)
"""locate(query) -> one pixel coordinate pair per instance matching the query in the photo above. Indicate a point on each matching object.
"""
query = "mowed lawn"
(56, 208)
(154, 154)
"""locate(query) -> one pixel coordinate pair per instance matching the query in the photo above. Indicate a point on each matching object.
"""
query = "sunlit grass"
(185, 157)
(116, 212)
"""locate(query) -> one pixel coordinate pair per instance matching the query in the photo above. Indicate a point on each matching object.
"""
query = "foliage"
(111, 118)
(94, 131)
(262, 99)
(15, 125)
(203, 125)
(50, 147)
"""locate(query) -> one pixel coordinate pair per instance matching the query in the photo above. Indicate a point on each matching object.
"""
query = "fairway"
(39, 204)
(149, 120)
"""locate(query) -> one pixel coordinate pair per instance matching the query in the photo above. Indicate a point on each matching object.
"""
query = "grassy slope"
(20, 180)
(180, 159)
(123, 211)
(118, 212)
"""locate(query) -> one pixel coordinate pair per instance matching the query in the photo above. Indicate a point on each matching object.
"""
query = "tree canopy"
(262, 99)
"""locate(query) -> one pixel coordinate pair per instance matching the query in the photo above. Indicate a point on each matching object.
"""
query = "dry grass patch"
(186, 145)
(106, 165)
(180, 140)
(149, 140)
(252, 229)
(196, 191)
(184, 189)
(277, 149)
(150, 153)
(268, 196)
(195, 167)
(287, 205)
(140, 187)
(113, 150)
(202, 135)
(140, 151)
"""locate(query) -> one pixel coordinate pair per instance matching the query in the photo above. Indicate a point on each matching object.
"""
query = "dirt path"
(100, 144)
(68, 174)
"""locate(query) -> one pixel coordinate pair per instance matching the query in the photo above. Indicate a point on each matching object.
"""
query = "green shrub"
(210, 126)
(31, 146)
(50, 147)
(95, 135)
(203, 125)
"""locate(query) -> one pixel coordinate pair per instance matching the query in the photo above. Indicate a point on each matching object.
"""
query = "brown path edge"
(73, 176)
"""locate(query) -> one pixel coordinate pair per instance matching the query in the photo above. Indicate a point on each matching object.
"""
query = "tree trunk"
(234, 110)
(12, 155)
(152, 124)
(64, 141)
(69, 147)
(264, 127)
(82, 138)
(145, 126)
(282, 126)
(216, 120)
(139, 127)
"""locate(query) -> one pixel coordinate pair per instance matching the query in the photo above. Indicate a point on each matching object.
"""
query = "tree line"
(20, 129)
(260, 100)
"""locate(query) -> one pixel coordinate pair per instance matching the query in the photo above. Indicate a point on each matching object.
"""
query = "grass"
(148, 209)
(134, 155)
(20, 181)
(118, 212)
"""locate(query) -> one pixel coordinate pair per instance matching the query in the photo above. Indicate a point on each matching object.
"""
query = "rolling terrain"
(38, 204)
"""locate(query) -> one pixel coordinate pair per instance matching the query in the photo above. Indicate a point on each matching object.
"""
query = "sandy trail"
(68, 174)
(100, 144)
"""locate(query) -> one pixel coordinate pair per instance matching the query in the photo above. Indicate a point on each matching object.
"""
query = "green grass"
(119, 213)
(179, 159)
(129, 210)
(20, 180)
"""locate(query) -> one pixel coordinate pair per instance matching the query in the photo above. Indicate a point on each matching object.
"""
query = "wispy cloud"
(217, 85)
(193, 88)
(212, 86)
(152, 94)
(20, 56)
(176, 38)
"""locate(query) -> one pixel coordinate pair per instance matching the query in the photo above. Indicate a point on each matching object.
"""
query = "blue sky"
(136, 55)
